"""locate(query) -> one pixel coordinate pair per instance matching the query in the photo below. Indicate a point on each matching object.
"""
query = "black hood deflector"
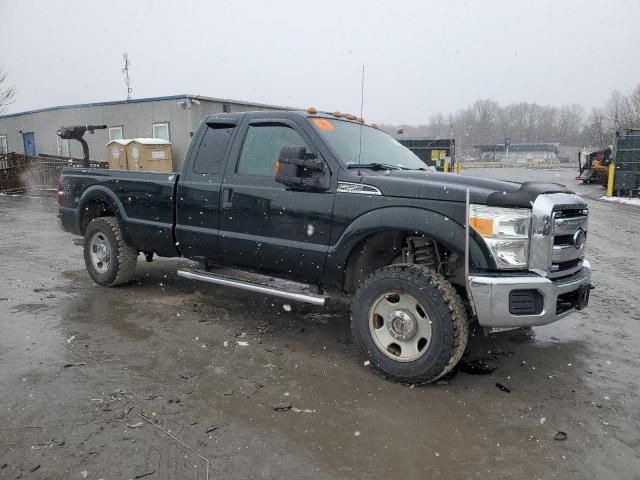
(525, 195)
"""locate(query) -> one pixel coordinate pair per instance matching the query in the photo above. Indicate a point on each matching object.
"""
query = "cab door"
(198, 193)
(263, 225)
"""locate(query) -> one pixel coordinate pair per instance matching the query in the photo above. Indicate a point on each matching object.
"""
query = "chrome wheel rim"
(400, 326)
(100, 252)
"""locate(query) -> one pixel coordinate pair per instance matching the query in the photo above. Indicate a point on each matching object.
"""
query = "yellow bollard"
(612, 172)
(446, 167)
(458, 168)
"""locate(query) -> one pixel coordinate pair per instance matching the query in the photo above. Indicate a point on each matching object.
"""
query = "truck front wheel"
(108, 259)
(410, 323)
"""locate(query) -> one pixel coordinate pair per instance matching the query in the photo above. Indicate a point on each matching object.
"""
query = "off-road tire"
(444, 307)
(123, 257)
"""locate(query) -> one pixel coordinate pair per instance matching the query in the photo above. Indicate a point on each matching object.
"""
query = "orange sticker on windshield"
(323, 124)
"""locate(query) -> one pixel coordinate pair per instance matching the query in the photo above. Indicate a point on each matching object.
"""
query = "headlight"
(506, 233)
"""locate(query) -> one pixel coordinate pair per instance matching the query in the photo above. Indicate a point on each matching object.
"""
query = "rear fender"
(102, 194)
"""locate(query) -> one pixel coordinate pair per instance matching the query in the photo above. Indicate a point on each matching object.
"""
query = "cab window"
(211, 154)
(262, 146)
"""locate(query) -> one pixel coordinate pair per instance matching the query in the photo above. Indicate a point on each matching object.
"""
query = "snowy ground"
(165, 376)
(625, 200)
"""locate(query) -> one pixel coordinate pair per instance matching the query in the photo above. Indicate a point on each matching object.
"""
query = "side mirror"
(296, 168)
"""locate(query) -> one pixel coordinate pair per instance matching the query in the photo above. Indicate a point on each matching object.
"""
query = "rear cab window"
(211, 155)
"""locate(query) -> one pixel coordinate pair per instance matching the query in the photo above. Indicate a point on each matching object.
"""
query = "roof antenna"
(125, 70)
(361, 119)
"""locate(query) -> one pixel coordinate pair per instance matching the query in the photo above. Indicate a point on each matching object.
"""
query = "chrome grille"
(567, 257)
(556, 220)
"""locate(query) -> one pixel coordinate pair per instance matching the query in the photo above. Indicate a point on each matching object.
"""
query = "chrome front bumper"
(491, 297)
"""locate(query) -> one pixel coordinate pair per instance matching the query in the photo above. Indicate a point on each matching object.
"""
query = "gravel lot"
(167, 378)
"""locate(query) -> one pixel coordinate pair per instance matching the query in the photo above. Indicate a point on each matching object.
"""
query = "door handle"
(227, 195)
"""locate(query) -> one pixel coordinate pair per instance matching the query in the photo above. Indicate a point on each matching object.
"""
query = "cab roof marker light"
(337, 114)
(312, 110)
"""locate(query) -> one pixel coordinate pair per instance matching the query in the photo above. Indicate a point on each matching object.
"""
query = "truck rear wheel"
(410, 323)
(108, 259)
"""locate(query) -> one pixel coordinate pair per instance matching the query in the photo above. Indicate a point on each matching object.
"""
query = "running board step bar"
(285, 289)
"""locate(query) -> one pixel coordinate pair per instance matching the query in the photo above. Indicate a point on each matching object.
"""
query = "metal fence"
(39, 174)
(627, 161)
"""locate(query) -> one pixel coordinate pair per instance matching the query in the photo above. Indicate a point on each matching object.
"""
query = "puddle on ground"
(30, 307)
(105, 309)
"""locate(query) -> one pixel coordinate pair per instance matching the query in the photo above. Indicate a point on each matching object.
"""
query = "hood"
(452, 187)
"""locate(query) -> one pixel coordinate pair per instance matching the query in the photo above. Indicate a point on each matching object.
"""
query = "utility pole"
(507, 144)
(125, 70)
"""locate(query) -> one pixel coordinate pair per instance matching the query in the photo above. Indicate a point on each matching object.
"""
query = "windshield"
(377, 146)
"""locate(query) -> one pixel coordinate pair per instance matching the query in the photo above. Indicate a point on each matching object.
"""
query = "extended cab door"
(198, 194)
(263, 225)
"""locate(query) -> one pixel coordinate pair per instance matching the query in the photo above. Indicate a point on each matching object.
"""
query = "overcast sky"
(420, 57)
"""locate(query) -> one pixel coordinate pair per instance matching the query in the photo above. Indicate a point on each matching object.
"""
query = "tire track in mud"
(615, 266)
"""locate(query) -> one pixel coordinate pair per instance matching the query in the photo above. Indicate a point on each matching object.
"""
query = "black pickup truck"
(312, 206)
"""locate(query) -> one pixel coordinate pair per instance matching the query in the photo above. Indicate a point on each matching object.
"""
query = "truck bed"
(143, 201)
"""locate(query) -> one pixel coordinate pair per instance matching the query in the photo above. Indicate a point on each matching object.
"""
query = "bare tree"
(633, 102)
(487, 122)
(570, 122)
(597, 132)
(623, 111)
(7, 92)
(616, 109)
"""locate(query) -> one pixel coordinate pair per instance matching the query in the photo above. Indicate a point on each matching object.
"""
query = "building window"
(161, 130)
(4, 147)
(63, 147)
(116, 133)
(226, 108)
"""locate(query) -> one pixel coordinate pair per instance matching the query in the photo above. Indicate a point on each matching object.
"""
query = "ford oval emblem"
(579, 239)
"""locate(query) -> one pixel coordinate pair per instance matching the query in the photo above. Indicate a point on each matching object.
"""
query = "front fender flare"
(419, 221)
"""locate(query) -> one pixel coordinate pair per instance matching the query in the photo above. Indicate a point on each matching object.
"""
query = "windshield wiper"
(377, 166)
